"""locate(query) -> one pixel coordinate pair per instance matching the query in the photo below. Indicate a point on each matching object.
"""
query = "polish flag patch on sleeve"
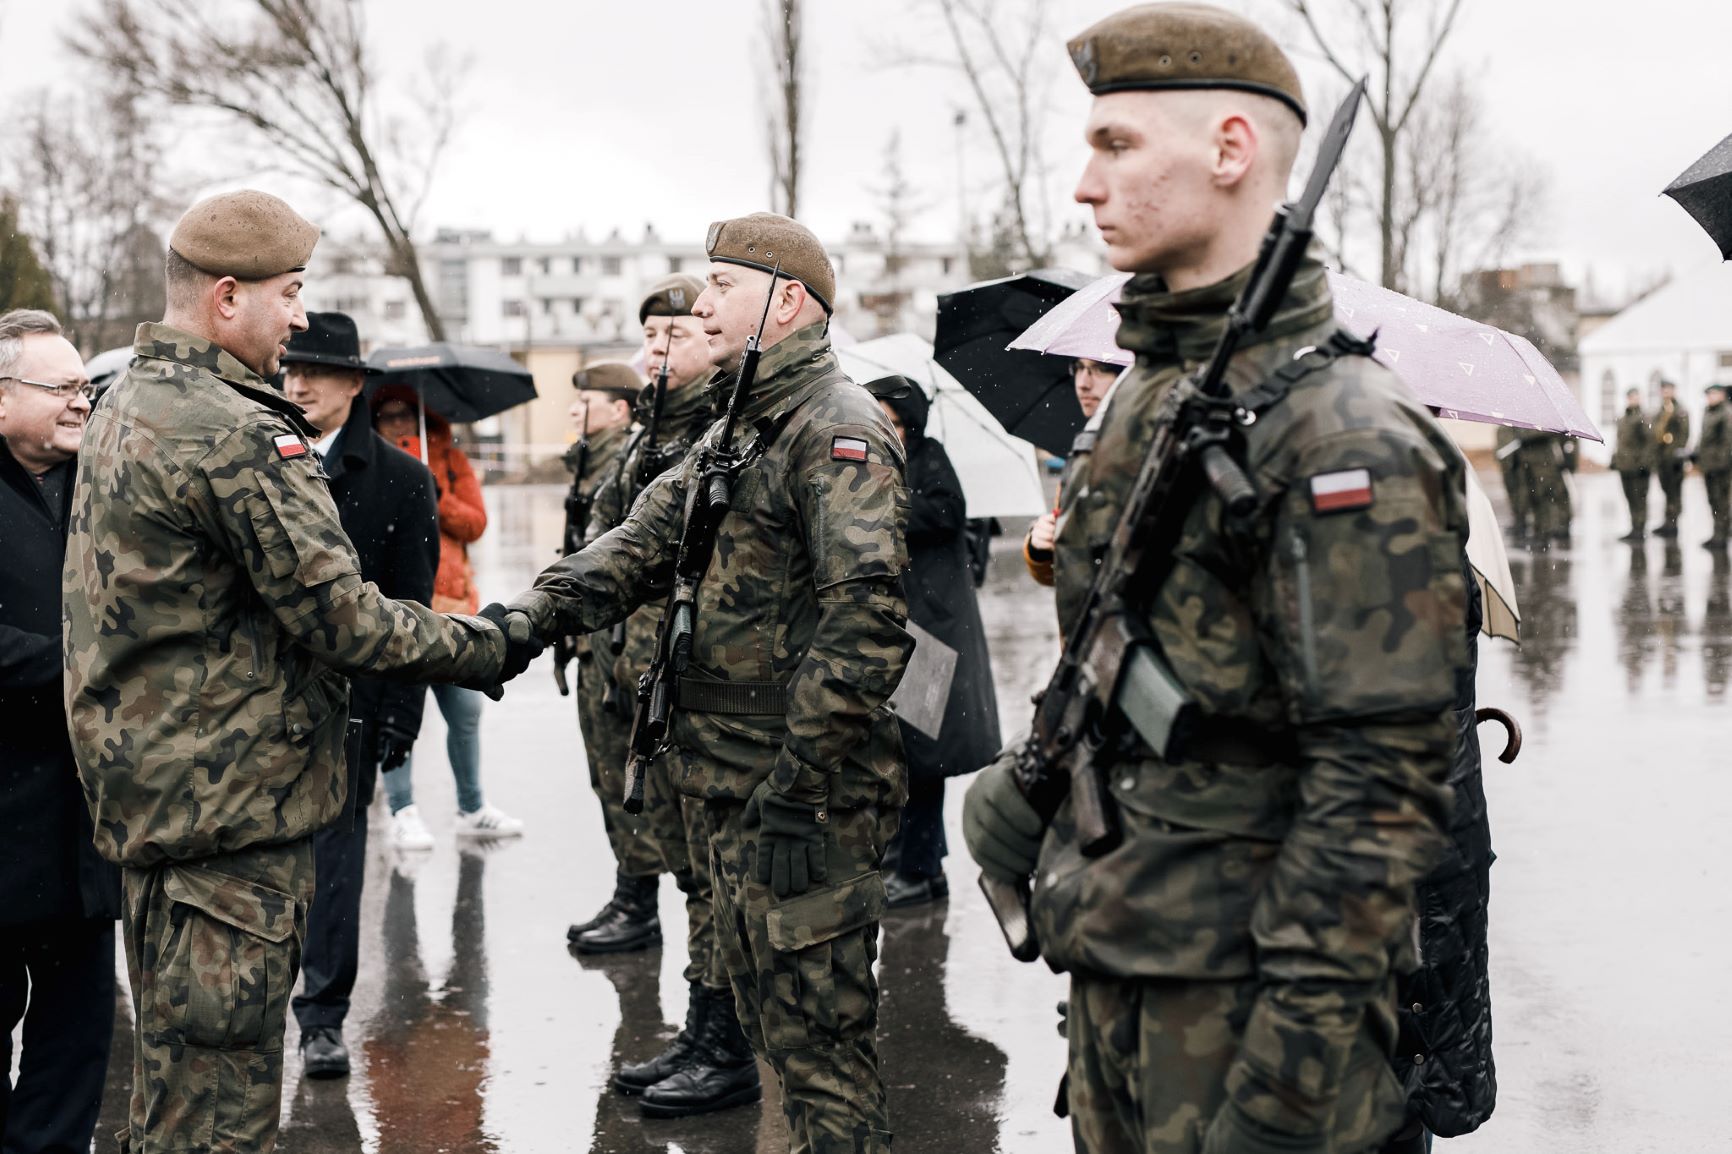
(847, 449)
(290, 446)
(1341, 492)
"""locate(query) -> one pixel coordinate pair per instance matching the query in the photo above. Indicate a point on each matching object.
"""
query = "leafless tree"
(1004, 51)
(92, 193)
(300, 75)
(784, 40)
(897, 208)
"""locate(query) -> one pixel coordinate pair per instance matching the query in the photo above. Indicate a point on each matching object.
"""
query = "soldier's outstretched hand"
(521, 646)
(1002, 830)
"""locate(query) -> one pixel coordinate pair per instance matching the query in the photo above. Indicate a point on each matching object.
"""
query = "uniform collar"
(1166, 328)
(166, 343)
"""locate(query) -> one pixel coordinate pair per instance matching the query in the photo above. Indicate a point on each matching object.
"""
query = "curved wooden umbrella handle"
(1512, 731)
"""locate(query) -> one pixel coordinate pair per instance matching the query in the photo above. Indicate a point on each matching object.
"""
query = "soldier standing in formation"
(1515, 484)
(1634, 461)
(1671, 438)
(781, 727)
(1714, 458)
(1545, 459)
(1232, 961)
(213, 608)
(708, 1066)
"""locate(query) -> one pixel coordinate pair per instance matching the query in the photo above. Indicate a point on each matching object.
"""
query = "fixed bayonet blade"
(1328, 157)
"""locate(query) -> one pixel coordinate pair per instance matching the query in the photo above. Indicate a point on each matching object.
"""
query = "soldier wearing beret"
(1671, 455)
(214, 608)
(1634, 461)
(781, 729)
(1232, 961)
(1714, 458)
(696, 1073)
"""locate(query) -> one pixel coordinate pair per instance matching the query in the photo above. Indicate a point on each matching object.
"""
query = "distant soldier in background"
(1515, 484)
(1634, 461)
(1544, 461)
(1714, 458)
(1671, 437)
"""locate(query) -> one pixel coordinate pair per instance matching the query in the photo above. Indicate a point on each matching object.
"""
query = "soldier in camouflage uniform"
(1544, 462)
(1232, 961)
(606, 394)
(213, 605)
(1671, 455)
(686, 1078)
(1515, 484)
(781, 729)
(1634, 461)
(1714, 458)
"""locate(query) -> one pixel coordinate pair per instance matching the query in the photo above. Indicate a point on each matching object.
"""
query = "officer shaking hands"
(1232, 958)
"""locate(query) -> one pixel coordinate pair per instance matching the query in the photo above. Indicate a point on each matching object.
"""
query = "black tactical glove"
(521, 646)
(790, 840)
(1002, 830)
(395, 742)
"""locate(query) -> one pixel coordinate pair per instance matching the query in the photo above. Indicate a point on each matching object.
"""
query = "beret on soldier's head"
(248, 235)
(670, 297)
(764, 240)
(610, 377)
(1180, 45)
(1714, 389)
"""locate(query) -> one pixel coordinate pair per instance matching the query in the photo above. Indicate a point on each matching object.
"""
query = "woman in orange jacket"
(462, 520)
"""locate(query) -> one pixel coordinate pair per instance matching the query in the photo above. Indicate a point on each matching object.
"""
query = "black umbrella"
(1030, 393)
(1705, 192)
(461, 382)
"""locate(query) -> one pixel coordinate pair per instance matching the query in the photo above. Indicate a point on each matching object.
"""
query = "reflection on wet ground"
(474, 1030)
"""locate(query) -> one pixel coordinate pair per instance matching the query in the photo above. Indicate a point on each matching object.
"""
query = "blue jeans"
(462, 711)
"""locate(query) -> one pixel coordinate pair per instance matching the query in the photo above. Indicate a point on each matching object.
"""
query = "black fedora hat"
(330, 339)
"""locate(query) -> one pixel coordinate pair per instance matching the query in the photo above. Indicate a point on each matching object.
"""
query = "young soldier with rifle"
(1238, 770)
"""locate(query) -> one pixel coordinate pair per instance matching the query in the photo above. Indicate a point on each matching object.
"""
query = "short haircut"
(17, 324)
(614, 393)
(183, 280)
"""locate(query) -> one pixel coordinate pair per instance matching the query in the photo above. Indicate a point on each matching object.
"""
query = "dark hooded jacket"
(941, 600)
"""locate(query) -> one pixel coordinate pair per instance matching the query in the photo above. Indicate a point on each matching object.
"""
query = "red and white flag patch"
(847, 449)
(1341, 492)
(290, 446)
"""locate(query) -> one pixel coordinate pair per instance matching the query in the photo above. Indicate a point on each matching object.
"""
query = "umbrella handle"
(1511, 727)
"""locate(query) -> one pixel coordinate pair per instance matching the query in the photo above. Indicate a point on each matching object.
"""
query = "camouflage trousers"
(1149, 1060)
(605, 736)
(212, 950)
(678, 822)
(801, 969)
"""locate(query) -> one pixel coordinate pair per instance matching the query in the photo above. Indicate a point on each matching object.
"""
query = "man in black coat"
(386, 502)
(58, 899)
(939, 584)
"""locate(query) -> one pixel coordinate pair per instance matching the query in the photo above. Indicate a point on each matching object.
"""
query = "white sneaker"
(408, 831)
(488, 822)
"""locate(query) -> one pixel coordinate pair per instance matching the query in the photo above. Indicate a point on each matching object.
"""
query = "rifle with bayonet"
(649, 462)
(707, 504)
(577, 505)
(1112, 690)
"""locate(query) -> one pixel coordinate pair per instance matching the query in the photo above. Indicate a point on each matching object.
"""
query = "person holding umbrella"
(1093, 380)
(399, 415)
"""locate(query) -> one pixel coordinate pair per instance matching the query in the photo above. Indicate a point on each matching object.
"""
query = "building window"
(1726, 360)
(513, 308)
(511, 266)
(576, 265)
(577, 305)
(396, 310)
(675, 264)
(546, 266)
(610, 266)
(945, 264)
(547, 306)
(1608, 397)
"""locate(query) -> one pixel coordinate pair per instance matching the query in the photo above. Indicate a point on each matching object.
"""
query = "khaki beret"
(609, 377)
(1178, 45)
(248, 235)
(670, 297)
(764, 240)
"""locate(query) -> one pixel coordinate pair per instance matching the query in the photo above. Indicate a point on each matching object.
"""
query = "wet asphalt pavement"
(474, 1030)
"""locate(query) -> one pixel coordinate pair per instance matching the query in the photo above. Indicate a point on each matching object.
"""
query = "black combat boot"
(633, 924)
(720, 1073)
(620, 884)
(323, 1054)
(640, 1076)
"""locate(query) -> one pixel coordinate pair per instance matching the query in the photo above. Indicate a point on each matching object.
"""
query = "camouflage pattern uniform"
(675, 828)
(1543, 463)
(1634, 461)
(1714, 458)
(1232, 961)
(213, 605)
(604, 702)
(1515, 483)
(1671, 435)
(803, 592)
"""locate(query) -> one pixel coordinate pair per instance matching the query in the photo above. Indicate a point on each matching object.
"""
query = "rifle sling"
(1341, 343)
(741, 698)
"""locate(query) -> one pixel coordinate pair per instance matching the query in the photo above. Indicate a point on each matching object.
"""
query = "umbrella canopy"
(998, 472)
(461, 382)
(1031, 395)
(1485, 552)
(1461, 368)
(1704, 190)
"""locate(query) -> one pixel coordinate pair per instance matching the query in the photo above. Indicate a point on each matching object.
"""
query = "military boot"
(633, 924)
(720, 1072)
(640, 1076)
(620, 885)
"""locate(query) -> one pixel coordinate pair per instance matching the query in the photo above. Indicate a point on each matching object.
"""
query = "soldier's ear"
(225, 297)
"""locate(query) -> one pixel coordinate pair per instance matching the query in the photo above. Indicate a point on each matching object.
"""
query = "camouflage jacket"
(1322, 636)
(212, 607)
(686, 413)
(1714, 450)
(606, 450)
(1635, 449)
(804, 589)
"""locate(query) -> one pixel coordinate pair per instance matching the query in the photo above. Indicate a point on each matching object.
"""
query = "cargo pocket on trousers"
(822, 970)
(229, 961)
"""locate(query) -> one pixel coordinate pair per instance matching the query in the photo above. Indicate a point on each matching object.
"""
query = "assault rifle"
(706, 505)
(649, 465)
(577, 505)
(1111, 686)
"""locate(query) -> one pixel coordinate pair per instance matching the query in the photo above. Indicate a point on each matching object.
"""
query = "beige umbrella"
(1490, 563)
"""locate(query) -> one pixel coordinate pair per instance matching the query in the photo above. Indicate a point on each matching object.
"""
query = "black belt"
(763, 698)
(1234, 741)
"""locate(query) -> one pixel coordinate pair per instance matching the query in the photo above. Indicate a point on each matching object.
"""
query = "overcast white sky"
(575, 104)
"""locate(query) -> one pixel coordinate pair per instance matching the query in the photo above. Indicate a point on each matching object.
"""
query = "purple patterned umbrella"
(1460, 368)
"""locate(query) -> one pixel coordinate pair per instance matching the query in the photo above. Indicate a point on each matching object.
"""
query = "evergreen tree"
(24, 283)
